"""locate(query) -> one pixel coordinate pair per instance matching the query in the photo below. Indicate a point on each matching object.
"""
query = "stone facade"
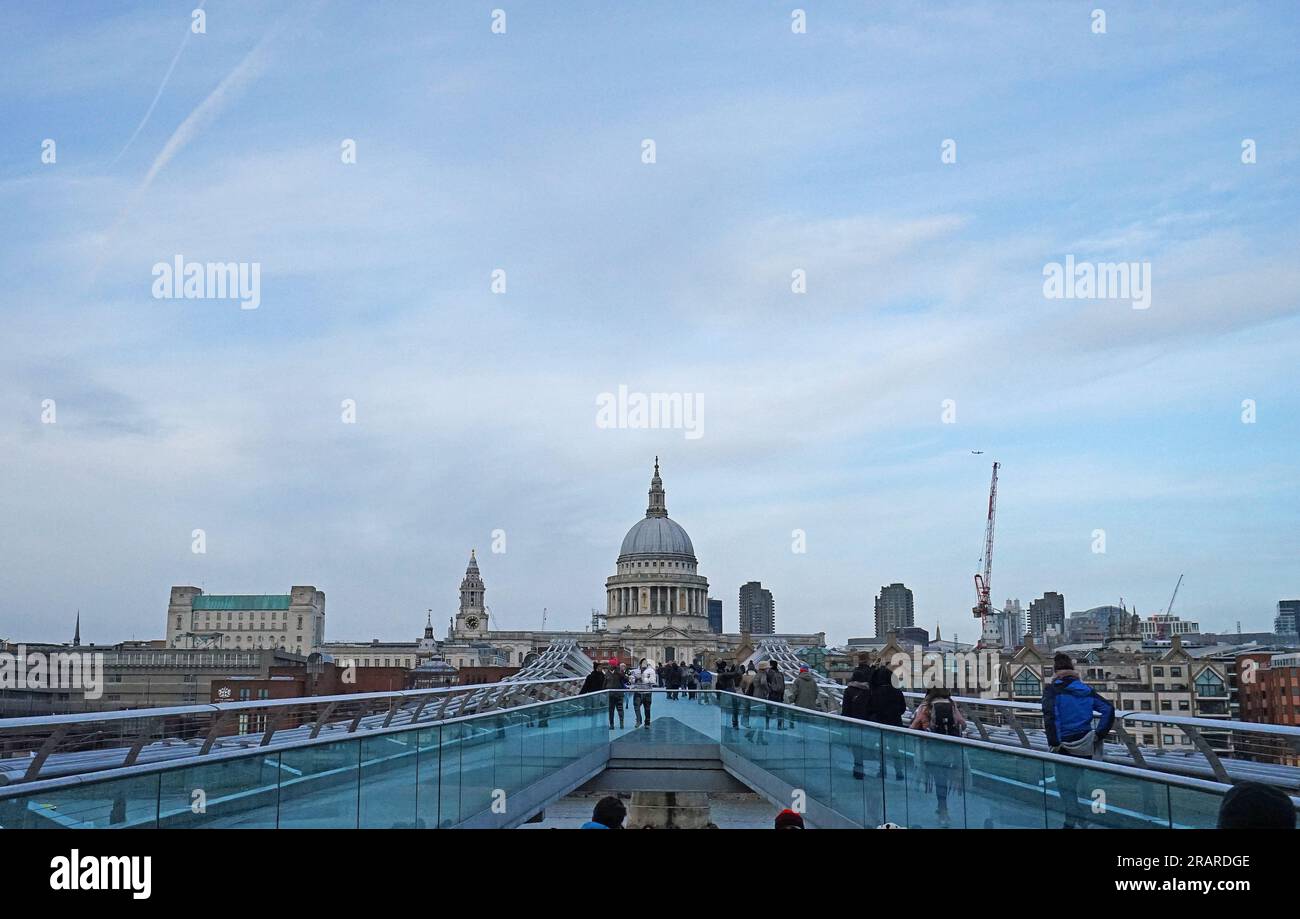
(288, 622)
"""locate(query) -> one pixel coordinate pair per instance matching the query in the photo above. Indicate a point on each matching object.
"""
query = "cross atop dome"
(657, 506)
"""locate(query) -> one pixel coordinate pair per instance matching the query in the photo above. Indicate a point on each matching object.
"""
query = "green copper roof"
(242, 601)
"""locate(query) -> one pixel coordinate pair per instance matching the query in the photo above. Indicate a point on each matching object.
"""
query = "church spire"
(76, 637)
(657, 507)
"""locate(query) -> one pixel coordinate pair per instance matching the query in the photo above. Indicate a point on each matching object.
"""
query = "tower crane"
(1164, 627)
(983, 608)
(1170, 608)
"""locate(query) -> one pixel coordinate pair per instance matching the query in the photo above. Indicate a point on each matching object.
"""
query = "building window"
(1026, 684)
(1209, 684)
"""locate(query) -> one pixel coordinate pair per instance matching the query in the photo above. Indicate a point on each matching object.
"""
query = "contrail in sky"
(158, 95)
(230, 88)
(244, 74)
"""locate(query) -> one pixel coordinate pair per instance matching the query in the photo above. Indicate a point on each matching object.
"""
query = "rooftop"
(241, 601)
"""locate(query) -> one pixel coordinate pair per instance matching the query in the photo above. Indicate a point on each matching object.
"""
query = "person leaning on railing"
(1068, 708)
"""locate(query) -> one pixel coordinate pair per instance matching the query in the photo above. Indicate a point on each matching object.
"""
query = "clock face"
(471, 622)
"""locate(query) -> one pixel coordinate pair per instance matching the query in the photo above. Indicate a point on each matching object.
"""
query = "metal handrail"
(208, 708)
(831, 693)
(1115, 768)
(48, 743)
(1212, 724)
(109, 740)
(1112, 768)
(107, 775)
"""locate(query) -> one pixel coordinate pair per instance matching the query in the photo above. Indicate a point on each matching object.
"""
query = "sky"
(840, 420)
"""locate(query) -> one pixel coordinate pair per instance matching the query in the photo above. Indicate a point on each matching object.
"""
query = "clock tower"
(472, 619)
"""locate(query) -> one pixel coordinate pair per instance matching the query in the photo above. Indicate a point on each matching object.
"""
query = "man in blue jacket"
(608, 814)
(1068, 708)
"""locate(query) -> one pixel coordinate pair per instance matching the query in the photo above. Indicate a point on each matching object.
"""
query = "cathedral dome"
(656, 583)
(657, 536)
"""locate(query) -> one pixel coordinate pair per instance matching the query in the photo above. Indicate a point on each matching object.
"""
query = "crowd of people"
(1076, 720)
(1069, 707)
(691, 682)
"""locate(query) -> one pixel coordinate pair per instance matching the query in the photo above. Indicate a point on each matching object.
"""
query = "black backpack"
(943, 718)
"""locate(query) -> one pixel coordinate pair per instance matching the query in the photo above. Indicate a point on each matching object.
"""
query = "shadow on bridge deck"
(669, 755)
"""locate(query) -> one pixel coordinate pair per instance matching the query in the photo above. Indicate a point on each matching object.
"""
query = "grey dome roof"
(657, 536)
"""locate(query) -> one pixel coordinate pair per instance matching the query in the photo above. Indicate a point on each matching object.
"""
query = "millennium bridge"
(495, 756)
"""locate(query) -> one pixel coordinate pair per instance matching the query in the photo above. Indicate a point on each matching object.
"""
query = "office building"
(894, 610)
(757, 610)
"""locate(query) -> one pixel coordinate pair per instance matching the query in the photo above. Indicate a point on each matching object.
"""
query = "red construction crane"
(982, 605)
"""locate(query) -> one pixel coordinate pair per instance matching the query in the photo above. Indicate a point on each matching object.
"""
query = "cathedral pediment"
(669, 633)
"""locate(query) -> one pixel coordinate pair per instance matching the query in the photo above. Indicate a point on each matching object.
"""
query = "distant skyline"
(864, 413)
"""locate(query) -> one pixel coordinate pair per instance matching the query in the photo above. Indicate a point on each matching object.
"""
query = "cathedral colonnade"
(661, 599)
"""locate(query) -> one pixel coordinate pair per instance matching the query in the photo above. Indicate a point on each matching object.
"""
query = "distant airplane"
(977, 452)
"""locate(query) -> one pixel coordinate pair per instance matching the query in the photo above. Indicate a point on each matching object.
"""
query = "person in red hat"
(803, 692)
(789, 820)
